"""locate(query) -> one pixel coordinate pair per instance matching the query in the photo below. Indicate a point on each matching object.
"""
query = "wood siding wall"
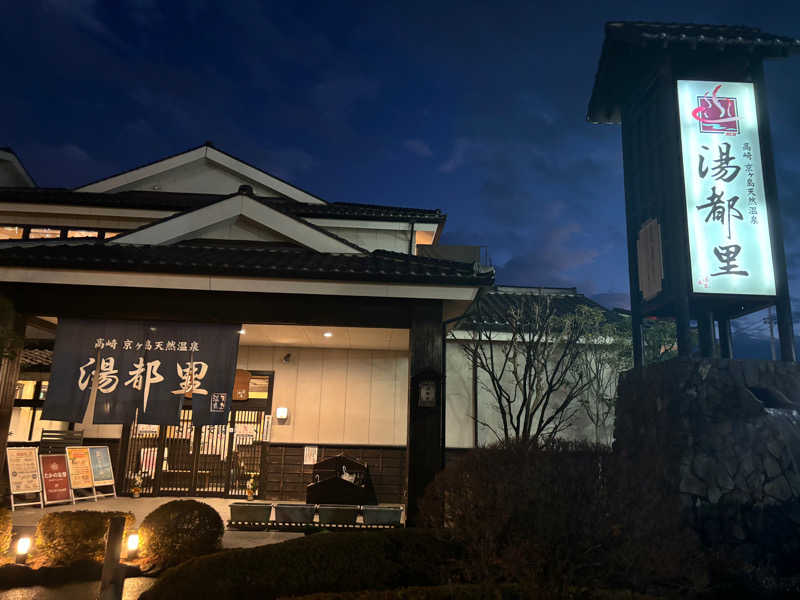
(287, 476)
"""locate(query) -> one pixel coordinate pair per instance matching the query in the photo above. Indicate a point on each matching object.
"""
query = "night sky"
(475, 108)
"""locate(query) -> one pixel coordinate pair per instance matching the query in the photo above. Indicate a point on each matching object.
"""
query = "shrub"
(439, 592)
(5, 530)
(71, 536)
(179, 530)
(563, 514)
(330, 562)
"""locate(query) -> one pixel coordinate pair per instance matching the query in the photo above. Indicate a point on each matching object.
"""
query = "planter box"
(338, 514)
(294, 513)
(250, 512)
(382, 515)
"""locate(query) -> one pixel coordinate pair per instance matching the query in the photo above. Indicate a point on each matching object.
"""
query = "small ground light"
(133, 545)
(327, 334)
(23, 547)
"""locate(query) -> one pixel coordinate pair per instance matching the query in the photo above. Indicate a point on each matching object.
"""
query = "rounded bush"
(179, 530)
(5, 530)
(71, 536)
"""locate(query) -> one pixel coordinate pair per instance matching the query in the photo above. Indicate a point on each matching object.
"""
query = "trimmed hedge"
(5, 530)
(329, 562)
(16, 576)
(179, 530)
(70, 536)
(472, 592)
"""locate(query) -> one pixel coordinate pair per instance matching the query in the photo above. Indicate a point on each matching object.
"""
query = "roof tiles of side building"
(500, 300)
(264, 260)
(180, 202)
(631, 46)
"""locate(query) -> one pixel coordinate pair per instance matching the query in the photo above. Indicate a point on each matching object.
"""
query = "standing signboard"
(23, 474)
(80, 472)
(102, 471)
(55, 479)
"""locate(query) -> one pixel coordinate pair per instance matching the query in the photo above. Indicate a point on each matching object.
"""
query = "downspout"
(411, 239)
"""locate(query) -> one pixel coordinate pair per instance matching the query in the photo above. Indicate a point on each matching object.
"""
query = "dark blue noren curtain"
(148, 366)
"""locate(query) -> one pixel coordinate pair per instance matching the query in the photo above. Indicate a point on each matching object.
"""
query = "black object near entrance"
(341, 480)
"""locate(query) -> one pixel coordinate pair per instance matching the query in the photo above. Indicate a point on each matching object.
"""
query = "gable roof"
(261, 261)
(179, 202)
(212, 154)
(191, 223)
(7, 155)
(630, 49)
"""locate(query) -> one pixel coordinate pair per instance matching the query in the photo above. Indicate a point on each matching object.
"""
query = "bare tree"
(526, 358)
(606, 353)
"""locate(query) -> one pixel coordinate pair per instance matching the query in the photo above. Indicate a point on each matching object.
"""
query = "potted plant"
(251, 487)
(136, 488)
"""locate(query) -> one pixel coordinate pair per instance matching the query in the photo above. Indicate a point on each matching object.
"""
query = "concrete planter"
(294, 513)
(250, 512)
(382, 515)
(337, 514)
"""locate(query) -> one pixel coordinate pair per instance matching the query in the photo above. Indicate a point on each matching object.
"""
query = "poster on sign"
(55, 476)
(80, 471)
(100, 459)
(23, 474)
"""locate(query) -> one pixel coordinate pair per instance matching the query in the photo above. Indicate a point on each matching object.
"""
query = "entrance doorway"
(209, 460)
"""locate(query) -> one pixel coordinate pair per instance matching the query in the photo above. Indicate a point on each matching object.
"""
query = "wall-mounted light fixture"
(242, 331)
(287, 357)
(281, 413)
(327, 334)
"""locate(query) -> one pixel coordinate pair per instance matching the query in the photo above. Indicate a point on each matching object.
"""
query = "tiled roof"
(496, 304)
(179, 202)
(246, 261)
(630, 48)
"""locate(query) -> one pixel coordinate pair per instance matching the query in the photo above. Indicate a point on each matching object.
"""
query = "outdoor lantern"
(133, 546)
(23, 547)
(282, 413)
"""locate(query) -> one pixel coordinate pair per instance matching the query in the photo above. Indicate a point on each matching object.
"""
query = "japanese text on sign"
(729, 240)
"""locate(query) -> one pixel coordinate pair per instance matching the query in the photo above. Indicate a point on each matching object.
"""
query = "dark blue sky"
(475, 108)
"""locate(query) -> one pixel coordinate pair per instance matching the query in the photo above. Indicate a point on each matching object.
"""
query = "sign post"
(23, 475)
(55, 479)
(80, 472)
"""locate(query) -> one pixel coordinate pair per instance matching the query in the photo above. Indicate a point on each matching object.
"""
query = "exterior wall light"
(23, 547)
(133, 546)
(327, 334)
(282, 413)
(242, 331)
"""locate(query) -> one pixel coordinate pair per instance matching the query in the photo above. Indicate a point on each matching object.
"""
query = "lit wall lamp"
(281, 413)
(23, 547)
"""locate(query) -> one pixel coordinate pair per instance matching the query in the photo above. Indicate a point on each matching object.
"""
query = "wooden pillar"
(9, 375)
(705, 330)
(725, 342)
(425, 451)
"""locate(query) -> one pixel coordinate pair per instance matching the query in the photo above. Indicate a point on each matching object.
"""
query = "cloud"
(67, 165)
(463, 150)
(419, 148)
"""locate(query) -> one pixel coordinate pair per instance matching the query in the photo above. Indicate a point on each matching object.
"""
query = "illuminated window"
(82, 233)
(10, 232)
(24, 389)
(259, 386)
(110, 234)
(43, 390)
(38, 233)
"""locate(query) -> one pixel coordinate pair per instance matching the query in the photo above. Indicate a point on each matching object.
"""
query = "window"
(111, 234)
(82, 233)
(11, 232)
(39, 233)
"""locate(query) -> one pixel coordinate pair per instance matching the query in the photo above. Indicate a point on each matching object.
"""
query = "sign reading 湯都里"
(80, 467)
(149, 367)
(100, 459)
(55, 477)
(23, 470)
(729, 237)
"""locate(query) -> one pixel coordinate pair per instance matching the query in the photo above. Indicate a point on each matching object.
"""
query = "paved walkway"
(27, 517)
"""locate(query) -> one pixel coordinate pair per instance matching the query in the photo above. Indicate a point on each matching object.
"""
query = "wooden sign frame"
(71, 499)
(10, 452)
(91, 487)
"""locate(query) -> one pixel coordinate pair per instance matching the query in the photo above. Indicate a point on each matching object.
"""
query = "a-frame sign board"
(102, 471)
(80, 473)
(23, 475)
(56, 486)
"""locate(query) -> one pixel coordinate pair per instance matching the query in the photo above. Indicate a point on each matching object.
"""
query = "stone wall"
(726, 437)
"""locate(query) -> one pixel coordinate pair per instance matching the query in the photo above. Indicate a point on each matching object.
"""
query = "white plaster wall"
(241, 229)
(375, 239)
(459, 422)
(202, 177)
(335, 396)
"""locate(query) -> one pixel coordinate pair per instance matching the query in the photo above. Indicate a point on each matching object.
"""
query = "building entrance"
(185, 460)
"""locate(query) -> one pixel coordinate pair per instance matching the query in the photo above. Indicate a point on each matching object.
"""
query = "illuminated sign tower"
(704, 230)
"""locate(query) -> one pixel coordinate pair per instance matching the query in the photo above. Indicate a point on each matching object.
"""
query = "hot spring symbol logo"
(717, 114)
